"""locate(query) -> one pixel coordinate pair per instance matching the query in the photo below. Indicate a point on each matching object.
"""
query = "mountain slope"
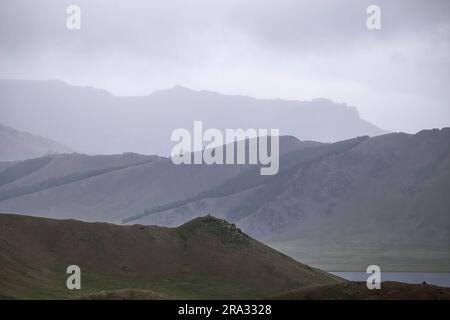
(20, 145)
(113, 187)
(383, 202)
(39, 170)
(258, 189)
(341, 206)
(380, 201)
(204, 258)
(144, 124)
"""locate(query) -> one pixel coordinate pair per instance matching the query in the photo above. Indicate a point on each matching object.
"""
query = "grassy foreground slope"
(204, 258)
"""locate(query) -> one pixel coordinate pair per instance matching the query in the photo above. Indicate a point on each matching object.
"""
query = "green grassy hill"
(204, 258)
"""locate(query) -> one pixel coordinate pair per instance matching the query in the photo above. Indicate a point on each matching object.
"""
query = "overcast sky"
(397, 77)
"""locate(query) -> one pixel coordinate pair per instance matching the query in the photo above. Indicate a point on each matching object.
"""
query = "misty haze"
(95, 94)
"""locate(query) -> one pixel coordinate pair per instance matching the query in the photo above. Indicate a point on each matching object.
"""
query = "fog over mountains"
(19, 145)
(346, 194)
(356, 173)
(341, 199)
(94, 121)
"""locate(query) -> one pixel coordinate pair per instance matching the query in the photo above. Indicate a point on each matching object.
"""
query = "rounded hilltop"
(209, 224)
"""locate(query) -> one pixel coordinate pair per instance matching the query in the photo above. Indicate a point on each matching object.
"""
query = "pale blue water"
(438, 279)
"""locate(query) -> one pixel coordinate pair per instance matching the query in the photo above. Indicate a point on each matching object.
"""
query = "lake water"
(439, 279)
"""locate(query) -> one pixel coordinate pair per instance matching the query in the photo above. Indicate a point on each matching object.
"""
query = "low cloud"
(397, 77)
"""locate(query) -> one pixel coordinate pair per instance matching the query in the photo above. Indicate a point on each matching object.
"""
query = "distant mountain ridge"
(94, 121)
(110, 187)
(385, 197)
(20, 145)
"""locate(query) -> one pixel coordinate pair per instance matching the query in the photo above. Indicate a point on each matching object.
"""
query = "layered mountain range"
(94, 121)
(340, 206)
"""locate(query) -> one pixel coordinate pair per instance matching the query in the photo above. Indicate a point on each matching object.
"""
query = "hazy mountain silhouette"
(20, 145)
(94, 121)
